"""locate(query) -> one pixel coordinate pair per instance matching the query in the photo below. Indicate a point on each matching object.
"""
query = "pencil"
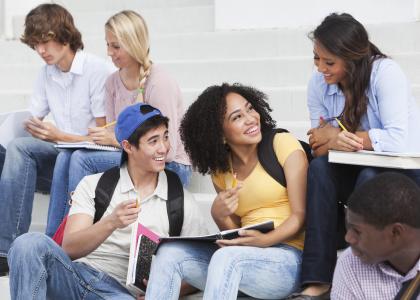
(340, 124)
(109, 124)
(234, 181)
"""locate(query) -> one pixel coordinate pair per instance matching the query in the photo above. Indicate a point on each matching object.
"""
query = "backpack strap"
(104, 191)
(268, 158)
(175, 203)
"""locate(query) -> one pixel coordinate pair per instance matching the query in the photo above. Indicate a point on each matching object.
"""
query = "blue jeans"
(29, 163)
(40, 269)
(72, 166)
(329, 184)
(267, 273)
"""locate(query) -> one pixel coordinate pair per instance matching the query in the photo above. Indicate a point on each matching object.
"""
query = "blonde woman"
(137, 79)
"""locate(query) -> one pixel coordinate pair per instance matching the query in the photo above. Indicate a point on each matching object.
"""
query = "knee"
(78, 158)
(28, 244)
(227, 256)
(19, 145)
(365, 175)
(318, 164)
(170, 254)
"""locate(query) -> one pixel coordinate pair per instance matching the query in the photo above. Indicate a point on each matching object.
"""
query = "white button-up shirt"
(74, 98)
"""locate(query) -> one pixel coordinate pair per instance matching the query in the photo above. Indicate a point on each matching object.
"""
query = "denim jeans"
(329, 184)
(72, 166)
(183, 171)
(267, 273)
(29, 162)
(40, 269)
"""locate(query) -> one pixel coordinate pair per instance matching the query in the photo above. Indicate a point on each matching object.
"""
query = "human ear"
(126, 146)
(397, 231)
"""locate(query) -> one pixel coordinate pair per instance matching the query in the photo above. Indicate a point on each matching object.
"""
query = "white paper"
(12, 126)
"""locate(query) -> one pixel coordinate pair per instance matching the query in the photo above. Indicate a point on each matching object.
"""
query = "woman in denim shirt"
(369, 94)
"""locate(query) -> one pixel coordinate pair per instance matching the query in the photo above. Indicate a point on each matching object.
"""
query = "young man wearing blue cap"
(94, 257)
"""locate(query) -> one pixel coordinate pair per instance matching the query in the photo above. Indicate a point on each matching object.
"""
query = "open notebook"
(85, 145)
(376, 159)
(230, 234)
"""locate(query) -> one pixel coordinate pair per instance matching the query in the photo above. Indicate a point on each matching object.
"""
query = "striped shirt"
(354, 279)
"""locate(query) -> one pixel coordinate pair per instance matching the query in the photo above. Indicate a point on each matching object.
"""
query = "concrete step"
(167, 20)
(272, 72)
(233, 44)
(112, 5)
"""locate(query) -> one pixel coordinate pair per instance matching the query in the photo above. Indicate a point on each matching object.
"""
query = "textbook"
(376, 159)
(143, 245)
(230, 234)
(12, 126)
(85, 145)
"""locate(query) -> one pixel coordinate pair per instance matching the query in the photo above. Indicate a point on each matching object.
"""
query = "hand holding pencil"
(102, 136)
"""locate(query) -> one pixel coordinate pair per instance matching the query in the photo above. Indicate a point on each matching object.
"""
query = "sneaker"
(4, 267)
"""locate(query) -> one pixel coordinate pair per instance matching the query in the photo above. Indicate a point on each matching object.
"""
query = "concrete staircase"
(184, 41)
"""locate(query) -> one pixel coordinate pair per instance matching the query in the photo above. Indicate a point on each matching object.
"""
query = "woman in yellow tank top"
(221, 131)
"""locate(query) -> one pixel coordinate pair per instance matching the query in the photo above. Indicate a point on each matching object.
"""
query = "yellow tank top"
(262, 198)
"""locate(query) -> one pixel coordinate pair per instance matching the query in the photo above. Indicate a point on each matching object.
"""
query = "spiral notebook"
(85, 145)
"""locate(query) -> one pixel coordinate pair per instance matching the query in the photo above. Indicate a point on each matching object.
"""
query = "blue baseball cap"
(130, 119)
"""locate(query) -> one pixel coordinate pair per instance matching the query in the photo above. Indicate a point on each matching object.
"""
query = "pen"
(340, 124)
(109, 124)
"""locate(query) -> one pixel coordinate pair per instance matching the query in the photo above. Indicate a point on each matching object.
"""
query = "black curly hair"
(201, 128)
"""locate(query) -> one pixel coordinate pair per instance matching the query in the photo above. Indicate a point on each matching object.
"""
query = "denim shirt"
(392, 119)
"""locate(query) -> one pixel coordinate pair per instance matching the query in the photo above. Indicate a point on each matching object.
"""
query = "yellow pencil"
(341, 125)
(109, 124)
(234, 181)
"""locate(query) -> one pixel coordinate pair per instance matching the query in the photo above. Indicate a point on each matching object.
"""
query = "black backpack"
(268, 159)
(174, 205)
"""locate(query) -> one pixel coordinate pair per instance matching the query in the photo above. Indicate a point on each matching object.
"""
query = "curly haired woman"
(221, 131)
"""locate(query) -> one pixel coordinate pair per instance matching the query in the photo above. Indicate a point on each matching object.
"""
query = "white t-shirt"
(112, 255)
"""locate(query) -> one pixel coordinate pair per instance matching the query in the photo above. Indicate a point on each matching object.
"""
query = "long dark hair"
(345, 37)
(201, 128)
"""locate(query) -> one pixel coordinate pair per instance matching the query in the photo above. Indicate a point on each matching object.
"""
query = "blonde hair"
(131, 32)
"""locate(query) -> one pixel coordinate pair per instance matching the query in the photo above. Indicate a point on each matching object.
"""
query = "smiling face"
(331, 66)
(118, 54)
(370, 244)
(153, 148)
(241, 124)
(55, 53)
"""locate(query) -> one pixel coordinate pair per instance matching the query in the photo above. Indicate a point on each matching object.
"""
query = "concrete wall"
(258, 14)
(10, 8)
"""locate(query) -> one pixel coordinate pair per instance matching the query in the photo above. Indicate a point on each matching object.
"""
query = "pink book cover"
(142, 230)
